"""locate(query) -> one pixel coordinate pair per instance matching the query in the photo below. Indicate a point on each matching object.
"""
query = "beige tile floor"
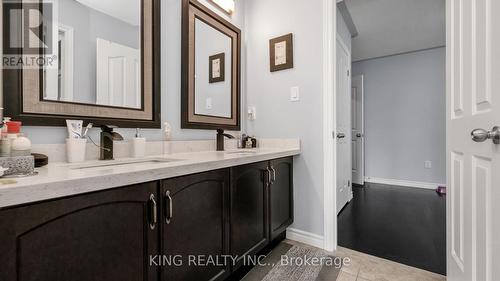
(363, 267)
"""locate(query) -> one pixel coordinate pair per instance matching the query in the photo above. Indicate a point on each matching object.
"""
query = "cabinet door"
(281, 196)
(99, 236)
(195, 226)
(249, 210)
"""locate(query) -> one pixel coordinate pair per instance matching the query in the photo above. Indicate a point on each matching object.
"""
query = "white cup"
(138, 147)
(75, 150)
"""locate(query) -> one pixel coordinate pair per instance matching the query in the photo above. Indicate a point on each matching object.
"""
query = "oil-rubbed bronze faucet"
(107, 138)
(220, 139)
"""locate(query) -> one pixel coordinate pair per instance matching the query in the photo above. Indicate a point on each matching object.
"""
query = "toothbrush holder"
(75, 150)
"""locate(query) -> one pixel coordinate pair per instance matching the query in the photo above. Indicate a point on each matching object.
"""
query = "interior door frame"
(329, 121)
(340, 41)
(330, 239)
(361, 77)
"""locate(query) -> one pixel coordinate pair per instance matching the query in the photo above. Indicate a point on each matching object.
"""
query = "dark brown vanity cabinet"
(280, 196)
(195, 226)
(177, 229)
(106, 235)
(249, 210)
(261, 205)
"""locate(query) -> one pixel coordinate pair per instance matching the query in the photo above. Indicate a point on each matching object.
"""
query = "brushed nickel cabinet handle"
(170, 214)
(274, 174)
(154, 212)
(269, 180)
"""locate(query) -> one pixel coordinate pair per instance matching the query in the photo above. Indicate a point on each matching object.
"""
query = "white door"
(473, 168)
(118, 75)
(343, 130)
(358, 130)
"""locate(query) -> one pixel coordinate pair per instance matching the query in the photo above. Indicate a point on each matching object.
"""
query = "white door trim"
(329, 121)
(361, 78)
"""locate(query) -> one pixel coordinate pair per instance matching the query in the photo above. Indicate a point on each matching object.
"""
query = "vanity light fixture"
(226, 5)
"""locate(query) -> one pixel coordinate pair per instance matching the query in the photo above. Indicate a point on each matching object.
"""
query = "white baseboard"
(305, 237)
(415, 184)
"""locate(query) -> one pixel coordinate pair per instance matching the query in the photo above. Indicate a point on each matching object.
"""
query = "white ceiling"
(126, 10)
(388, 27)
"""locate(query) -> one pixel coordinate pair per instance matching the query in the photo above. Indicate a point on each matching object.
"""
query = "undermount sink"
(114, 163)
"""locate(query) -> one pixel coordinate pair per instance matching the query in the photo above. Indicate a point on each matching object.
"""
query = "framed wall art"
(216, 67)
(281, 52)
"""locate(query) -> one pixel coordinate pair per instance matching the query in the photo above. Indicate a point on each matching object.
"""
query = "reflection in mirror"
(213, 68)
(99, 51)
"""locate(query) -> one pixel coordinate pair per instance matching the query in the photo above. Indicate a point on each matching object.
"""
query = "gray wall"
(170, 82)
(277, 117)
(405, 115)
(89, 24)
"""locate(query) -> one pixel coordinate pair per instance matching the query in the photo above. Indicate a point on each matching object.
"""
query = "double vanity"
(130, 219)
(194, 214)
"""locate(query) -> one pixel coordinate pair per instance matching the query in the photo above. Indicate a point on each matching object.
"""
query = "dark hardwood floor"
(405, 225)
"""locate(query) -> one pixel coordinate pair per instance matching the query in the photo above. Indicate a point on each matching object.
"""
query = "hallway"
(405, 225)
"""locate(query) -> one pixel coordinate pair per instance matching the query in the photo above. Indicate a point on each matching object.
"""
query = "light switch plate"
(209, 103)
(294, 94)
(428, 164)
(252, 113)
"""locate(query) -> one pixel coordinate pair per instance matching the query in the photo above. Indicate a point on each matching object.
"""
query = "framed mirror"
(105, 64)
(211, 54)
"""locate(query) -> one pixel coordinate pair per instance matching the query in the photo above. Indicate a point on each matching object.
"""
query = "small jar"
(5, 147)
(14, 127)
(21, 146)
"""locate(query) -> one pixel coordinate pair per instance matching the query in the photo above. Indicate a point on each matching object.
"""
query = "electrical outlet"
(294, 94)
(428, 164)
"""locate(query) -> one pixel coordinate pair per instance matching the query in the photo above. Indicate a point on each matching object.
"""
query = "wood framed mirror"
(211, 62)
(106, 63)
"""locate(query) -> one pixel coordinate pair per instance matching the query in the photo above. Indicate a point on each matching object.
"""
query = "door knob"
(359, 135)
(481, 135)
(340, 135)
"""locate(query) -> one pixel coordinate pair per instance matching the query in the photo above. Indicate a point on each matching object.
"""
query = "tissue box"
(18, 165)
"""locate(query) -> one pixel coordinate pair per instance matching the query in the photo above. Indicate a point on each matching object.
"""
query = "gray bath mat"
(288, 262)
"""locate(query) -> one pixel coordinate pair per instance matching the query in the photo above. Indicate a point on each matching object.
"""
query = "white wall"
(405, 116)
(170, 82)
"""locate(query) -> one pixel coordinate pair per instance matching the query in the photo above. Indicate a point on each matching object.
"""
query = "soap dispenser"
(138, 145)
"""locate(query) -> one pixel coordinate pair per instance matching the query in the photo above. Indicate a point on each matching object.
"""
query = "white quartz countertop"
(58, 180)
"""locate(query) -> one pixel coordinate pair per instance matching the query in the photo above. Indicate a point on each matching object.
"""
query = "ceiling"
(388, 27)
(126, 10)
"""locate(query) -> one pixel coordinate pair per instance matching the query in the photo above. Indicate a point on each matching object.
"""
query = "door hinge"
(348, 73)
